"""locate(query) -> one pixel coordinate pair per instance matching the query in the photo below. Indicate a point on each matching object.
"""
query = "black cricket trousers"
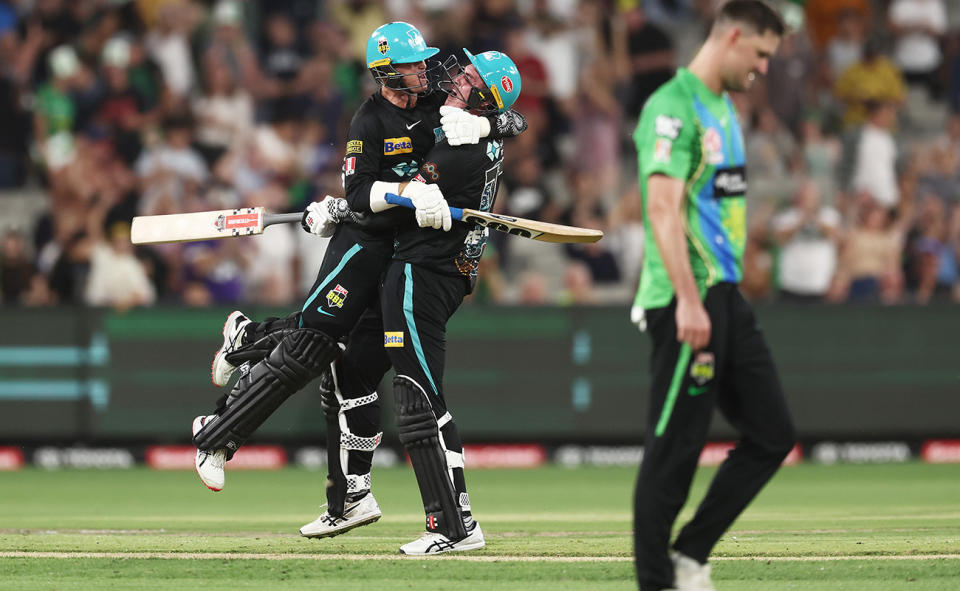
(734, 372)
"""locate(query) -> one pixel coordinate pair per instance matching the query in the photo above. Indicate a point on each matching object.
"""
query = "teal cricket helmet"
(396, 43)
(500, 75)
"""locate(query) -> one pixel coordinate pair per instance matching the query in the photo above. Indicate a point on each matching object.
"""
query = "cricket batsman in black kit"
(707, 349)
(430, 275)
(388, 137)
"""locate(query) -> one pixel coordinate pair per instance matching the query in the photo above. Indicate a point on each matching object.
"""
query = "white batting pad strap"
(355, 442)
(446, 418)
(350, 403)
(358, 482)
(454, 459)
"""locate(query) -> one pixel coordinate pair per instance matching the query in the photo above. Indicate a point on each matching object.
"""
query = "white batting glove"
(461, 127)
(432, 209)
(321, 217)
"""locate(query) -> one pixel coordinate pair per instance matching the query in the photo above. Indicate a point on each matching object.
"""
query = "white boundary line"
(459, 557)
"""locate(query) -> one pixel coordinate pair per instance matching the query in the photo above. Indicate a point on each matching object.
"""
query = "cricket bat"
(536, 230)
(205, 225)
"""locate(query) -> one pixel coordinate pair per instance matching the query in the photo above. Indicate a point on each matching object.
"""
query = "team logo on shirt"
(350, 166)
(668, 127)
(393, 338)
(438, 135)
(355, 147)
(702, 369)
(405, 169)
(397, 145)
(662, 148)
(712, 146)
(494, 150)
(430, 169)
(336, 296)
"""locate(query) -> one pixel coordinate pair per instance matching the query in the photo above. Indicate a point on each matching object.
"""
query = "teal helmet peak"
(500, 75)
(397, 43)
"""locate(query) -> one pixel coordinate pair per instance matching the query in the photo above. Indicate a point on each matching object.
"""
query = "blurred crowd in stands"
(117, 108)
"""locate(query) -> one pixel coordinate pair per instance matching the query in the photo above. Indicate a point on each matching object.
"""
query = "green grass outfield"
(881, 527)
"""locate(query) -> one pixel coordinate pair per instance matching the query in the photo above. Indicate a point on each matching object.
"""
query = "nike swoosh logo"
(412, 125)
(697, 390)
(322, 311)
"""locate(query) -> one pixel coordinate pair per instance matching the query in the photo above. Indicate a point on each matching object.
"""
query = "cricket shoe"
(436, 543)
(221, 369)
(355, 514)
(690, 575)
(209, 464)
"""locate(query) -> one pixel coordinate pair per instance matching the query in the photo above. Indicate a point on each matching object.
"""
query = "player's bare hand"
(693, 323)
(461, 127)
(432, 210)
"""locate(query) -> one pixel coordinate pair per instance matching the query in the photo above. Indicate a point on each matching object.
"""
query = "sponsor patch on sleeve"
(668, 127)
(662, 148)
(355, 147)
(393, 338)
(350, 165)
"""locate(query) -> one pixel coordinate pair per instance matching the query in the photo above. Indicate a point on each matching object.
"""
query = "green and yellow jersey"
(688, 132)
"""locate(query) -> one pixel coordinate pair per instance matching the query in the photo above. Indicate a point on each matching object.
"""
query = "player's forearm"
(672, 246)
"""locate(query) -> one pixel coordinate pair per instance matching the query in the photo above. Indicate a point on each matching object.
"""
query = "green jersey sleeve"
(665, 137)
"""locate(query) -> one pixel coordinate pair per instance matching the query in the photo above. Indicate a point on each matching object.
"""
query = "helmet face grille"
(480, 100)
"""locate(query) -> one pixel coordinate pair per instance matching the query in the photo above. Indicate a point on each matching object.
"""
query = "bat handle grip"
(394, 199)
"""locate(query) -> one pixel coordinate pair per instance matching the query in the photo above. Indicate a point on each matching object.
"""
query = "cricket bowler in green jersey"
(707, 350)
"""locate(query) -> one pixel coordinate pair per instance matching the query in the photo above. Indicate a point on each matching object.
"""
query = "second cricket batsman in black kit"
(430, 275)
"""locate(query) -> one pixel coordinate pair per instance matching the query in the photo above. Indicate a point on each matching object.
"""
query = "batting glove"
(461, 127)
(321, 217)
(432, 210)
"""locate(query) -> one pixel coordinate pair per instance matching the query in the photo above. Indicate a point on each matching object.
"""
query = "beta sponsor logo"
(881, 452)
(11, 458)
(182, 457)
(53, 458)
(941, 451)
(350, 165)
(393, 338)
(355, 147)
(506, 83)
(397, 145)
(336, 296)
(730, 182)
(667, 126)
(525, 455)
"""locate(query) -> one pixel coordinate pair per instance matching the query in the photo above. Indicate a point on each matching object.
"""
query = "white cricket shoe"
(355, 514)
(435, 543)
(221, 369)
(209, 464)
(690, 575)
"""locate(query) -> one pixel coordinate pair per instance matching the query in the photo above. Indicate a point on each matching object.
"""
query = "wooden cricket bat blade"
(537, 230)
(201, 225)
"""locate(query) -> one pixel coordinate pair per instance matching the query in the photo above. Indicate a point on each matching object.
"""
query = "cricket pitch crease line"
(461, 557)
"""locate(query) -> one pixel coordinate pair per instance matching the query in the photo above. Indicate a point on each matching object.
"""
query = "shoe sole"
(220, 352)
(344, 530)
(195, 468)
